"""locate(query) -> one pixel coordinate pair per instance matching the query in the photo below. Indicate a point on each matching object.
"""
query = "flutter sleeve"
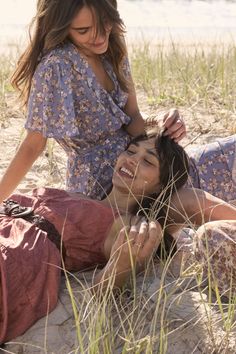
(51, 104)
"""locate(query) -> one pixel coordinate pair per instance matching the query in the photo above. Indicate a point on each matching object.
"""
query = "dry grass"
(160, 312)
(187, 77)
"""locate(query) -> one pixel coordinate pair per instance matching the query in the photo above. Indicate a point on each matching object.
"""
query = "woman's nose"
(97, 38)
(133, 159)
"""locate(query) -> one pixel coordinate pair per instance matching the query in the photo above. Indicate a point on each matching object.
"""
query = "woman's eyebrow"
(151, 152)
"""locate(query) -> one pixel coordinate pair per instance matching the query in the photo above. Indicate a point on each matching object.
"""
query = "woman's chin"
(129, 189)
(120, 179)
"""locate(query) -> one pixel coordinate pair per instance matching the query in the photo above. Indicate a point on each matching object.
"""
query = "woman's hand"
(172, 124)
(135, 245)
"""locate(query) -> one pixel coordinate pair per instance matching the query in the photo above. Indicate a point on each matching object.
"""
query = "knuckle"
(123, 232)
(133, 229)
(143, 226)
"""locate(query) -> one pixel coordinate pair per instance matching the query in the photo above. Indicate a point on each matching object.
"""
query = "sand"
(187, 312)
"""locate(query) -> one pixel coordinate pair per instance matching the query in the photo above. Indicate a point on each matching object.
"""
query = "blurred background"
(155, 20)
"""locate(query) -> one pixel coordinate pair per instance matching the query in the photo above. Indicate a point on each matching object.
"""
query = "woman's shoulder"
(65, 56)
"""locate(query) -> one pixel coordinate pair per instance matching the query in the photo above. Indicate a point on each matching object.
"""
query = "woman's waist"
(14, 210)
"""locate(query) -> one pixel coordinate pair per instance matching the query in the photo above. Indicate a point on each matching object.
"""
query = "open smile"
(126, 172)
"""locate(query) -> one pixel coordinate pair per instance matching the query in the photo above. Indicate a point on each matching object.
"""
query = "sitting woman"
(50, 229)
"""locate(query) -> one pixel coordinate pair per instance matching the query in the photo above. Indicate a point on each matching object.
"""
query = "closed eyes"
(147, 161)
(130, 152)
(82, 30)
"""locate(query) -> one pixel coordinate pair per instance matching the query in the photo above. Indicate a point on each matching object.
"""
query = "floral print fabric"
(68, 103)
(215, 249)
(213, 168)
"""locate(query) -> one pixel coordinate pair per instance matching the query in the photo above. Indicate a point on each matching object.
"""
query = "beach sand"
(187, 311)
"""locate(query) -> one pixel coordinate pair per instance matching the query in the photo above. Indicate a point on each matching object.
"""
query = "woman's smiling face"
(137, 169)
(82, 33)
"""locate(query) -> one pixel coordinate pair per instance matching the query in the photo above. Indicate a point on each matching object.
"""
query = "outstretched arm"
(131, 250)
(192, 205)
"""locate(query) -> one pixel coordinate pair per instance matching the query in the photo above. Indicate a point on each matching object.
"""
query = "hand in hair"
(173, 125)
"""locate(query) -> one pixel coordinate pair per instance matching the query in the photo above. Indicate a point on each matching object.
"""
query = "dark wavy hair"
(174, 169)
(49, 28)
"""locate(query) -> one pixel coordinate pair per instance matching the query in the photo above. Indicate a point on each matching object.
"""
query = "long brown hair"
(174, 169)
(49, 28)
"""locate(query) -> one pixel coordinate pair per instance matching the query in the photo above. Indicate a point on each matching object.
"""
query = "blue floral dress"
(67, 103)
(213, 168)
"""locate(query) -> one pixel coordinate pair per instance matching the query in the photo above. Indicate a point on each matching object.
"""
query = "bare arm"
(29, 150)
(190, 205)
(137, 124)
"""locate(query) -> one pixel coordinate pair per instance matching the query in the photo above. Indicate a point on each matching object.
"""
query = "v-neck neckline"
(94, 78)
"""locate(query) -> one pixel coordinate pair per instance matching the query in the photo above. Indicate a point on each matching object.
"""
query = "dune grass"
(6, 67)
(157, 312)
(192, 77)
(158, 309)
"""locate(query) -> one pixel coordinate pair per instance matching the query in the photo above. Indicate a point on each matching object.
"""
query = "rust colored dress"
(30, 264)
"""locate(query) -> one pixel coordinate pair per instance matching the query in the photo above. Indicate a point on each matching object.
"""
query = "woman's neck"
(122, 202)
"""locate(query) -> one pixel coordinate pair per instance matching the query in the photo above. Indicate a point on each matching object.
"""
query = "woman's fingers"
(170, 117)
(177, 134)
(136, 223)
(147, 240)
(137, 242)
(174, 125)
(153, 240)
(141, 235)
(119, 241)
(133, 232)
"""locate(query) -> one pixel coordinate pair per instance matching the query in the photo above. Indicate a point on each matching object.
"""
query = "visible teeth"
(123, 169)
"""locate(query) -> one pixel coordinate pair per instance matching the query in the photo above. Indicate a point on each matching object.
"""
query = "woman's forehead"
(148, 144)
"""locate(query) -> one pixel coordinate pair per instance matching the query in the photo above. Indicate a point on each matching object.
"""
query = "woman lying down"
(122, 231)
